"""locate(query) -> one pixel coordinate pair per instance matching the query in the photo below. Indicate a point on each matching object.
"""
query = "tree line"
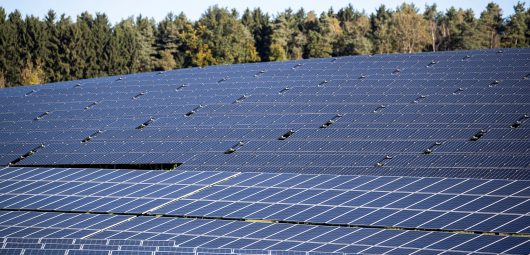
(58, 48)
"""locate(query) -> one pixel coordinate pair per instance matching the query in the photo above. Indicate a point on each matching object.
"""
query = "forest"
(59, 47)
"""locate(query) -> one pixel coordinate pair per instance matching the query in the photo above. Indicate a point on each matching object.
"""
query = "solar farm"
(425, 153)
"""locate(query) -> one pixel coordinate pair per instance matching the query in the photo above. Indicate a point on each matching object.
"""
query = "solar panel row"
(449, 99)
(421, 203)
(244, 235)
(420, 153)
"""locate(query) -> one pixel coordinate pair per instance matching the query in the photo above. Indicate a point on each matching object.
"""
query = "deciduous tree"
(31, 74)
(409, 29)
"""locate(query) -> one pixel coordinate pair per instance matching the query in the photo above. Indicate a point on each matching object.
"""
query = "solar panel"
(405, 153)
(250, 237)
(363, 200)
(385, 101)
(99, 191)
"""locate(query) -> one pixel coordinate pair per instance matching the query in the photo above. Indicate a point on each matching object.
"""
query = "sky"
(117, 10)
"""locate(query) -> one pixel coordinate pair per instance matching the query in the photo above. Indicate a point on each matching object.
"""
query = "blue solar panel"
(406, 153)
(253, 238)
(403, 110)
(103, 191)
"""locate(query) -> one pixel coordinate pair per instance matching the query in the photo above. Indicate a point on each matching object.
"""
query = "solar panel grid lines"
(124, 247)
(324, 195)
(191, 193)
(440, 214)
(442, 161)
(108, 227)
(19, 225)
(85, 195)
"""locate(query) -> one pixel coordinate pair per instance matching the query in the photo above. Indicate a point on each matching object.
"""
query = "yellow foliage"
(335, 26)
(2, 80)
(32, 74)
(204, 56)
(251, 54)
(167, 62)
(277, 53)
(409, 30)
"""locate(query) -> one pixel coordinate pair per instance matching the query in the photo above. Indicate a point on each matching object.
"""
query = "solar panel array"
(48, 227)
(409, 153)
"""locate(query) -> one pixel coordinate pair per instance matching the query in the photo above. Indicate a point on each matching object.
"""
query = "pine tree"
(84, 59)
(331, 31)
(299, 39)
(52, 43)
(490, 26)
(282, 30)
(145, 29)
(34, 40)
(101, 34)
(527, 33)
(14, 51)
(516, 28)
(175, 35)
(258, 23)
(449, 27)
(3, 45)
(355, 36)
(229, 40)
(289, 37)
(124, 48)
(346, 14)
(469, 37)
(169, 41)
(318, 40)
(382, 38)
(65, 30)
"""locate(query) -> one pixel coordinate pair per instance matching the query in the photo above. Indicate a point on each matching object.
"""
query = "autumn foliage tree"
(409, 29)
(32, 74)
(2, 81)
